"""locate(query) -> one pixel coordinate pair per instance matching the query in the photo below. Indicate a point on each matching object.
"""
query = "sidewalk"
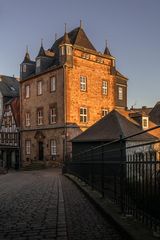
(127, 225)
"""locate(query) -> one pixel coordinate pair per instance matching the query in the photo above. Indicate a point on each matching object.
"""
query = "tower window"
(24, 68)
(83, 83)
(38, 63)
(104, 87)
(69, 50)
(120, 93)
(83, 115)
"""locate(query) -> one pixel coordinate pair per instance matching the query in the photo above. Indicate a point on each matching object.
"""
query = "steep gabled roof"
(41, 52)
(76, 37)
(155, 114)
(111, 127)
(9, 86)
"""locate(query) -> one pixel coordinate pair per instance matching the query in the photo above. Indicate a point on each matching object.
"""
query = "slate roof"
(155, 114)
(111, 127)
(76, 37)
(9, 86)
(118, 74)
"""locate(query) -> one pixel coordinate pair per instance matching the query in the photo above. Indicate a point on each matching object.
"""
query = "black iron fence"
(126, 171)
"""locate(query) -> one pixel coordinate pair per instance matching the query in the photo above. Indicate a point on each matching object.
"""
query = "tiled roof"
(111, 127)
(9, 86)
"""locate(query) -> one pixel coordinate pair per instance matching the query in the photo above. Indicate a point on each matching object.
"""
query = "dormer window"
(12, 89)
(145, 123)
(38, 63)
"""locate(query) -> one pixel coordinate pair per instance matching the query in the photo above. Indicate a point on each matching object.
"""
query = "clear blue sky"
(132, 28)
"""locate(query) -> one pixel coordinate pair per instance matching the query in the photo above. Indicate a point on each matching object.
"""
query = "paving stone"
(35, 206)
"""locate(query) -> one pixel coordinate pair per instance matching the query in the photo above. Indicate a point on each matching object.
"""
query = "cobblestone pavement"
(45, 205)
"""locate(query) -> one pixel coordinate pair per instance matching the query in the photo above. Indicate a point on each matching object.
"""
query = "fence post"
(102, 171)
(121, 175)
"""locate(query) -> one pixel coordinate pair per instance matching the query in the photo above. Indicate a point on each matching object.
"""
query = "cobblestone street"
(46, 205)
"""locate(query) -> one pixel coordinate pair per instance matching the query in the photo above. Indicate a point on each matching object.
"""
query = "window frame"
(52, 115)
(83, 83)
(53, 147)
(53, 80)
(40, 120)
(27, 119)
(103, 111)
(27, 91)
(28, 147)
(83, 115)
(39, 87)
(120, 93)
(104, 87)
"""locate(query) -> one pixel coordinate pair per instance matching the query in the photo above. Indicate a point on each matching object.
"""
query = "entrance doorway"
(41, 151)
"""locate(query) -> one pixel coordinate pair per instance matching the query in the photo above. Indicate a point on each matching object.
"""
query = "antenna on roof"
(65, 27)
(27, 49)
(80, 23)
(41, 42)
(106, 42)
(55, 36)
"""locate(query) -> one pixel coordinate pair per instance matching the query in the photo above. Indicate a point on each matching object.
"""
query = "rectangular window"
(145, 123)
(52, 115)
(83, 115)
(39, 88)
(27, 91)
(104, 112)
(27, 119)
(53, 84)
(53, 147)
(38, 63)
(24, 68)
(120, 93)
(28, 147)
(104, 87)
(83, 83)
(40, 116)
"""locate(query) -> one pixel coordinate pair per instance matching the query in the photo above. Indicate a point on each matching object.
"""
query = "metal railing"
(127, 172)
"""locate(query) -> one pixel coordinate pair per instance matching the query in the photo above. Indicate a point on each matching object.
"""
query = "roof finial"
(55, 36)
(106, 42)
(65, 27)
(26, 48)
(80, 23)
(41, 42)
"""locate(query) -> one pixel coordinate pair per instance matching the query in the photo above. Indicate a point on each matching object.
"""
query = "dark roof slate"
(76, 37)
(155, 114)
(9, 86)
(110, 128)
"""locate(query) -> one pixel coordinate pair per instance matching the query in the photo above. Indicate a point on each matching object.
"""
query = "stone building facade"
(63, 92)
